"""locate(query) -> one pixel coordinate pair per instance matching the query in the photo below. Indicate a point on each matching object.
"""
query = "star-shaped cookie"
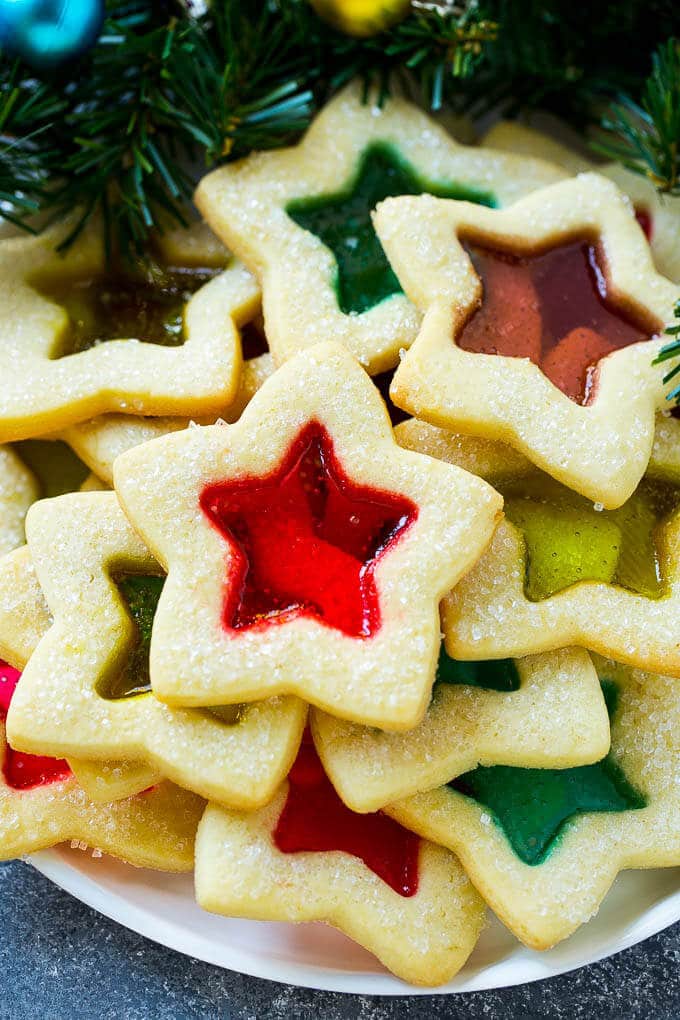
(18, 489)
(307, 857)
(94, 569)
(300, 219)
(41, 805)
(25, 618)
(544, 711)
(561, 571)
(658, 214)
(541, 323)
(100, 440)
(51, 469)
(80, 340)
(306, 552)
(544, 846)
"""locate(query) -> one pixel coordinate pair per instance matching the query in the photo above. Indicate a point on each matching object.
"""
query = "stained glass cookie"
(541, 324)
(561, 570)
(658, 214)
(300, 219)
(100, 440)
(303, 533)
(307, 857)
(538, 712)
(41, 805)
(544, 846)
(25, 618)
(80, 340)
(87, 694)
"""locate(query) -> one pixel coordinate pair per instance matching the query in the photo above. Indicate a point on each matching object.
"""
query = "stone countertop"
(59, 960)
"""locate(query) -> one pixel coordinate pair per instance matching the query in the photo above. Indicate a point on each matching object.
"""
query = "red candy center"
(307, 541)
(315, 819)
(644, 218)
(553, 308)
(23, 771)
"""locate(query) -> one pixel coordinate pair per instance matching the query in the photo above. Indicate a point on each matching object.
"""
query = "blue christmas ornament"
(47, 33)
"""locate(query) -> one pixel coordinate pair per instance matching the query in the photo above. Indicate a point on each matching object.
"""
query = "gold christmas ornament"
(361, 18)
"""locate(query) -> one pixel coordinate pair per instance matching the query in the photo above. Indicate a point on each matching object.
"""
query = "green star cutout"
(141, 593)
(494, 675)
(343, 222)
(533, 806)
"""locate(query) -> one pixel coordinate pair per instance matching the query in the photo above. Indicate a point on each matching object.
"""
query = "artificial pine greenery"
(163, 95)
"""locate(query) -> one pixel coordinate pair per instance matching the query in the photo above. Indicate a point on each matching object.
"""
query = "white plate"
(162, 908)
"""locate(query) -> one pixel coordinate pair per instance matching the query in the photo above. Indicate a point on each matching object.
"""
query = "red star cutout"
(562, 315)
(315, 819)
(24, 771)
(303, 528)
(307, 539)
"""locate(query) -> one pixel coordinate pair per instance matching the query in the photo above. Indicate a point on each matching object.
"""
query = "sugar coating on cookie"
(544, 710)
(658, 214)
(42, 805)
(300, 219)
(303, 533)
(560, 570)
(87, 556)
(307, 857)
(541, 324)
(544, 846)
(91, 339)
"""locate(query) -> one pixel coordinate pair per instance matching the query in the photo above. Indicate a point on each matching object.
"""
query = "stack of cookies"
(345, 569)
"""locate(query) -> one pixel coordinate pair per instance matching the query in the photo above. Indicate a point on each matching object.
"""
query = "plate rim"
(56, 867)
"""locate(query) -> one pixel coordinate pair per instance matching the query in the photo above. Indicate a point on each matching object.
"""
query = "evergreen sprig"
(127, 137)
(164, 95)
(429, 52)
(645, 135)
(28, 111)
(241, 81)
(671, 352)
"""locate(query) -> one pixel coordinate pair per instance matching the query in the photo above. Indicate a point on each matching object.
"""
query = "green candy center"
(140, 593)
(146, 305)
(343, 222)
(533, 807)
(498, 675)
(54, 464)
(568, 540)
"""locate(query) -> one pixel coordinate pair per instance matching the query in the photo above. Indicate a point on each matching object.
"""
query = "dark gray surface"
(59, 960)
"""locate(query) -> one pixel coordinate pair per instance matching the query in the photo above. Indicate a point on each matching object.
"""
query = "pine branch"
(241, 81)
(163, 95)
(431, 49)
(27, 112)
(126, 134)
(670, 352)
(645, 136)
